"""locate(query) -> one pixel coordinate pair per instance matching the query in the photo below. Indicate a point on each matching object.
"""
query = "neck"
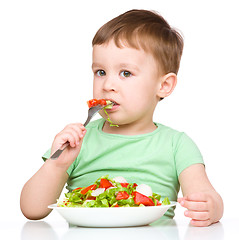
(130, 129)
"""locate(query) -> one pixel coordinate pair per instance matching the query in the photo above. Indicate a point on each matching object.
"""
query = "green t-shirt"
(155, 158)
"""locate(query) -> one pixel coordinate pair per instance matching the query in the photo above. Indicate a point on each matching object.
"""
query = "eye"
(125, 74)
(100, 73)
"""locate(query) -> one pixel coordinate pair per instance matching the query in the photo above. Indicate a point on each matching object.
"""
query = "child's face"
(128, 77)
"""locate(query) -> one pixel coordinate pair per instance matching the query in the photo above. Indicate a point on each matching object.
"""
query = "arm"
(204, 205)
(46, 184)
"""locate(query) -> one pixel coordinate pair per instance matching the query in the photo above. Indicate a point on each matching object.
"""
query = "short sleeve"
(186, 153)
(47, 155)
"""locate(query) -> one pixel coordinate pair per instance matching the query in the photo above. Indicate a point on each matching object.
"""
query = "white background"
(46, 79)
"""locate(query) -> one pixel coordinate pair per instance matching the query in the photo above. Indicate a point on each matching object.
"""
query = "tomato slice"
(91, 198)
(94, 102)
(124, 184)
(86, 189)
(104, 183)
(122, 195)
(89, 104)
(142, 199)
(77, 188)
(102, 102)
(158, 203)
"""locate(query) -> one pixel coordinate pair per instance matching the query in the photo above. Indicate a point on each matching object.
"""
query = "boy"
(136, 58)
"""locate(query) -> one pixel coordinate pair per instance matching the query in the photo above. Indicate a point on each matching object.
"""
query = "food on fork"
(116, 192)
(103, 102)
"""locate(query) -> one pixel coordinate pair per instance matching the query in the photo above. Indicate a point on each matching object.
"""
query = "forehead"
(109, 52)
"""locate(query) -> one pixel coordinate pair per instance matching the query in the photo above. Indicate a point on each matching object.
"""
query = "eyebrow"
(129, 65)
(94, 65)
(121, 65)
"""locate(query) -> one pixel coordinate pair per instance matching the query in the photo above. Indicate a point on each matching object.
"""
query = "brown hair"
(147, 30)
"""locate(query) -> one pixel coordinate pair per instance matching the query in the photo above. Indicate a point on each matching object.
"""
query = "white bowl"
(112, 217)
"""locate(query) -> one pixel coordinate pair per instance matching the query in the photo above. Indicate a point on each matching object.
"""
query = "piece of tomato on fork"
(94, 102)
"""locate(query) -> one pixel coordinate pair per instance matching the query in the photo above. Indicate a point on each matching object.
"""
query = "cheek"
(96, 90)
(135, 100)
(141, 92)
(143, 97)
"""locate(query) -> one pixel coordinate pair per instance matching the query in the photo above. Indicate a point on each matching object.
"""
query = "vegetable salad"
(116, 192)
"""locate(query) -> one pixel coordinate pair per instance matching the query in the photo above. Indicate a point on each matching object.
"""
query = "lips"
(113, 101)
(115, 105)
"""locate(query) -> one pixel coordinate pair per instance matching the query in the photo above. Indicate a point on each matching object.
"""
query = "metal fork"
(91, 112)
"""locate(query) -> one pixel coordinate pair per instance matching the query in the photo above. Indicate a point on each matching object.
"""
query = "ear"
(166, 85)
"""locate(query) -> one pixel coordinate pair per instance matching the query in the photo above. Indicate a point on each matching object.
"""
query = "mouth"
(113, 102)
(115, 105)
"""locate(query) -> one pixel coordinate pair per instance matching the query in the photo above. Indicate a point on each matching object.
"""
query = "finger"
(197, 197)
(76, 130)
(201, 216)
(79, 128)
(84, 131)
(78, 125)
(82, 127)
(71, 137)
(198, 223)
(180, 199)
(195, 206)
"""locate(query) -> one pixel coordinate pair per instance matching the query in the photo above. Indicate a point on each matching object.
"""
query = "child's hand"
(200, 208)
(74, 134)
(204, 205)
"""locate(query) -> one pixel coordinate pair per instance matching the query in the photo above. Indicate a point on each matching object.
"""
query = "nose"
(109, 84)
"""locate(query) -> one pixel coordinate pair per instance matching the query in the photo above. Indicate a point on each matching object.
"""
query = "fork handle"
(58, 152)
(87, 121)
